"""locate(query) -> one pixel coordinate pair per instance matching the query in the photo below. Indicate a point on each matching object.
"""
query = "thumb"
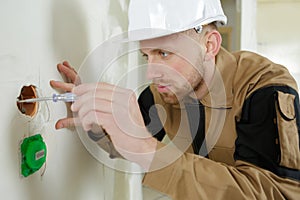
(67, 123)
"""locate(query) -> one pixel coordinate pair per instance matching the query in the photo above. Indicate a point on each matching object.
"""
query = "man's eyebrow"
(141, 51)
(156, 50)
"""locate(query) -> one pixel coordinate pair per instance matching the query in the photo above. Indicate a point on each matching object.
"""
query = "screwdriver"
(65, 97)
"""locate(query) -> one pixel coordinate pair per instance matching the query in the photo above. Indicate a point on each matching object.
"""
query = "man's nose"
(154, 70)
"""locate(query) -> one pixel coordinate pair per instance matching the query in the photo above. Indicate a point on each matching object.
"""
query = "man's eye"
(164, 54)
(145, 56)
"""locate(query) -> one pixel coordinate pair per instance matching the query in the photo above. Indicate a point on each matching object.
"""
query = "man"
(232, 118)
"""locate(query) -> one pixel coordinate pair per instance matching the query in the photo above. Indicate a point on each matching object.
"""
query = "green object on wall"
(34, 151)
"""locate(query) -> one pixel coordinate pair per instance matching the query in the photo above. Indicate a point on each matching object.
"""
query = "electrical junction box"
(33, 152)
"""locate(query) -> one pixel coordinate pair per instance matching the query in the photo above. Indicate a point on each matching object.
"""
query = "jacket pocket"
(287, 131)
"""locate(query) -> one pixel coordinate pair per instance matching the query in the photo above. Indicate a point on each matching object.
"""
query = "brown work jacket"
(180, 173)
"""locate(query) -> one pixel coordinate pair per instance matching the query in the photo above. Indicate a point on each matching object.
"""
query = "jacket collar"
(220, 92)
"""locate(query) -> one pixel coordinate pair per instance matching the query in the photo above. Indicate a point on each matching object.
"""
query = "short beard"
(198, 86)
(172, 98)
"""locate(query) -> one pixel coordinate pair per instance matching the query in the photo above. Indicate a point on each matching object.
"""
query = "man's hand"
(111, 108)
(117, 112)
(71, 80)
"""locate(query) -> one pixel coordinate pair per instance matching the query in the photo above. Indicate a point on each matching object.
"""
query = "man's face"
(174, 65)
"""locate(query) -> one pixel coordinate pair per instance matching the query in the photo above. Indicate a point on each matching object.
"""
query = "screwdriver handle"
(66, 97)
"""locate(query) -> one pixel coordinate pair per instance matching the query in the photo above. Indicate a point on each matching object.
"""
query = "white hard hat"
(155, 18)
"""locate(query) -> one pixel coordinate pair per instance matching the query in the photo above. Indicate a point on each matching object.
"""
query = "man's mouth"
(163, 88)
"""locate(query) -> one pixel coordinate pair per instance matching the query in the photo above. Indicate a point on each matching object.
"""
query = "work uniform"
(240, 141)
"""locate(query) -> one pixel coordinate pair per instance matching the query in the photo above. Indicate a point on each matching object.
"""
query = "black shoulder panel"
(258, 141)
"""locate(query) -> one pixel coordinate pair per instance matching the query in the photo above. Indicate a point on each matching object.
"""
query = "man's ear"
(213, 44)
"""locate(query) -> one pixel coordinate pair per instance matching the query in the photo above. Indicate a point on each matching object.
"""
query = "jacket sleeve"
(194, 177)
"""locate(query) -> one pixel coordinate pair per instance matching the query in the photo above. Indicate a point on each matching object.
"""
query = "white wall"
(278, 32)
(232, 9)
(36, 35)
(248, 25)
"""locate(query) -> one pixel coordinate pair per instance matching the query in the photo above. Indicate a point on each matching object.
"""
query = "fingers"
(67, 123)
(91, 98)
(84, 88)
(92, 94)
(68, 72)
(97, 105)
(101, 97)
(71, 79)
(67, 64)
(68, 87)
(108, 106)
(102, 101)
(93, 118)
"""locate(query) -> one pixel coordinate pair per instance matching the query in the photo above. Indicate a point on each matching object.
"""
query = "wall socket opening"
(28, 92)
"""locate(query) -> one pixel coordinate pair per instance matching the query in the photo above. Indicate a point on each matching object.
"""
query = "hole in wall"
(28, 92)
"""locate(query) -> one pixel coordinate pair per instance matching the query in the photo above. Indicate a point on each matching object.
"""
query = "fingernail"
(59, 126)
